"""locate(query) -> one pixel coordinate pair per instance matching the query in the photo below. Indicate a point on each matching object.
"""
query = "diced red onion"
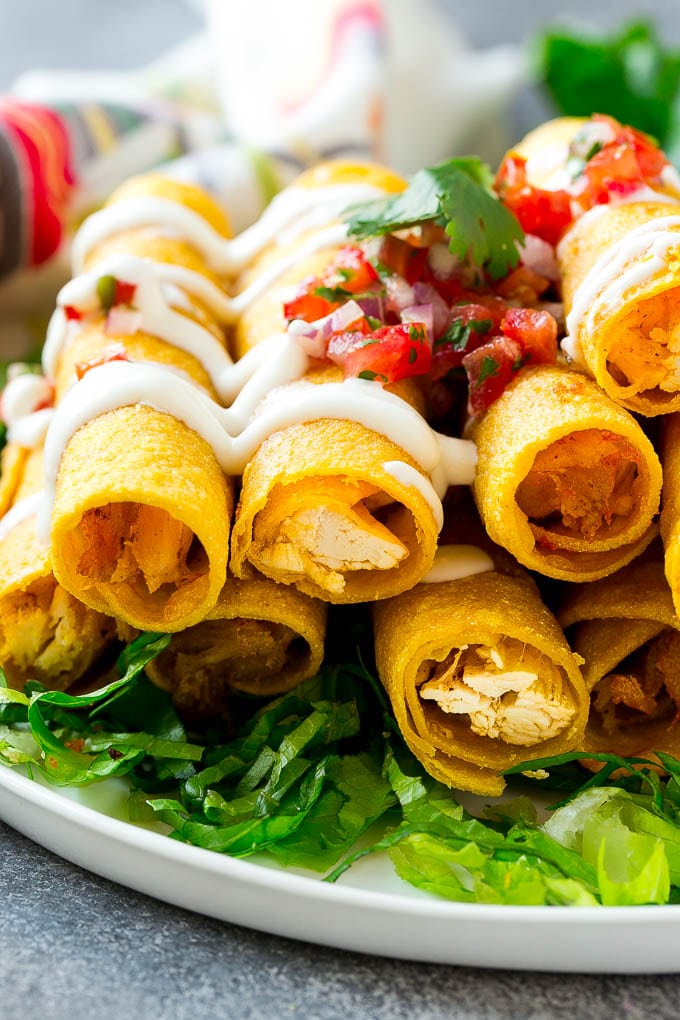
(422, 314)
(399, 294)
(556, 309)
(538, 255)
(443, 262)
(372, 304)
(345, 315)
(122, 321)
(426, 294)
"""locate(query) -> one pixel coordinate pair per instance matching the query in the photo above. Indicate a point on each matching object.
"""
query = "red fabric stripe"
(43, 142)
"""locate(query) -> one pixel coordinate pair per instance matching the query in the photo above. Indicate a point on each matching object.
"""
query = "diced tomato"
(523, 285)
(403, 258)
(125, 292)
(461, 337)
(307, 305)
(544, 213)
(390, 353)
(489, 369)
(536, 333)
(629, 161)
(341, 344)
(115, 352)
(72, 313)
(351, 270)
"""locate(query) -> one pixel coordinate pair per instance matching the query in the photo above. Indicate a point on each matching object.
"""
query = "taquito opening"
(141, 548)
(642, 690)
(327, 529)
(644, 355)
(584, 487)
(48, 635)
(508, 691)
(205, 662)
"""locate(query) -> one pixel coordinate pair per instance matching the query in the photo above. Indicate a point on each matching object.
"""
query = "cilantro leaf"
(458, 334)
(332, 293)
(488, 369)
(456, 195)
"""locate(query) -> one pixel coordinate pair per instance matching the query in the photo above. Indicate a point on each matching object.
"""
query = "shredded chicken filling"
(133, 543)
(644, 688)
(48, 635)
(646, 352)
(327, 533)
(510, 692)
(580, 486)
(210, 659)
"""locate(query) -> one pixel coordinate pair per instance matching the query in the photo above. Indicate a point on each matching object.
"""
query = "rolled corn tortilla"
(318, 508)
(619, 267)
(627, 632)
(670, 506)
(45, 633)
(261, 638)
(480, 677)
(140, 525)
(567, 481)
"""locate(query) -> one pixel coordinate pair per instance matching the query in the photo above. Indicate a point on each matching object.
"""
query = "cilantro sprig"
(456, 195)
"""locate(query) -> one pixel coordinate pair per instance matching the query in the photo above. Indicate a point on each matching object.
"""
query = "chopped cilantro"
(456, 195)
(416, 333)
(373, 322)
(488, 369)
(332, 293)
(412, 355)
(368, 374)
(457, 335)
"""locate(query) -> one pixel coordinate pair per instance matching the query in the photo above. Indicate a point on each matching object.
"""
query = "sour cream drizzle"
(451, 562)
(628, 263)
(236, 433)
(293, 211)
(265, 390)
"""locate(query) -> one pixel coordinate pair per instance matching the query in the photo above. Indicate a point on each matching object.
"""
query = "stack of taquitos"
(628, 634)
(140, 525)
(318, 508)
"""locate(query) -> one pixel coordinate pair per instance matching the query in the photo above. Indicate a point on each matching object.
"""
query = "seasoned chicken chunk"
(510, 692)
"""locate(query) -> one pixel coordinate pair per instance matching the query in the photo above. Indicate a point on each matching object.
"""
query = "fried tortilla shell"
(627, 632)
(261, 638)
(140, 526)
(45, 633)
(567, 481)
(318, 510)
(479, 676)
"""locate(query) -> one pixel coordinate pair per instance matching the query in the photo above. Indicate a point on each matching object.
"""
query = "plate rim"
(49, 799)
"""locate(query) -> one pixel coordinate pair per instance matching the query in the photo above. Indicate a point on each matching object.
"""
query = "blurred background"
(241, 96)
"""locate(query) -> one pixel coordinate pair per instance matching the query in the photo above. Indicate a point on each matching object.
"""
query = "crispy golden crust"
(534, 497)
(420, 628)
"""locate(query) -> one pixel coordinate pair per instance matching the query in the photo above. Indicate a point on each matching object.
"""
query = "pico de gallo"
(396, 308)
(607, 161)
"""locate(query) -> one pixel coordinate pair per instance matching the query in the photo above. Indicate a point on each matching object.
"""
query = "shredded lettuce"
(320, 777)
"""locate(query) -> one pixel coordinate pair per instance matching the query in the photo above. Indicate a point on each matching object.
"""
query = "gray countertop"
(75, 945)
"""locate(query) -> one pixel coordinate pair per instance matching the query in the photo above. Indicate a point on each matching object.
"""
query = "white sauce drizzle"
(407, 475)
(628, 263)
(293, 210)
(451, 562)
(265, 388)
(25, 508)
(31, 429)
(236, 433)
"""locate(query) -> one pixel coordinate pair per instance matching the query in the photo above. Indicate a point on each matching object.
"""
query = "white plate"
(370, 910)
